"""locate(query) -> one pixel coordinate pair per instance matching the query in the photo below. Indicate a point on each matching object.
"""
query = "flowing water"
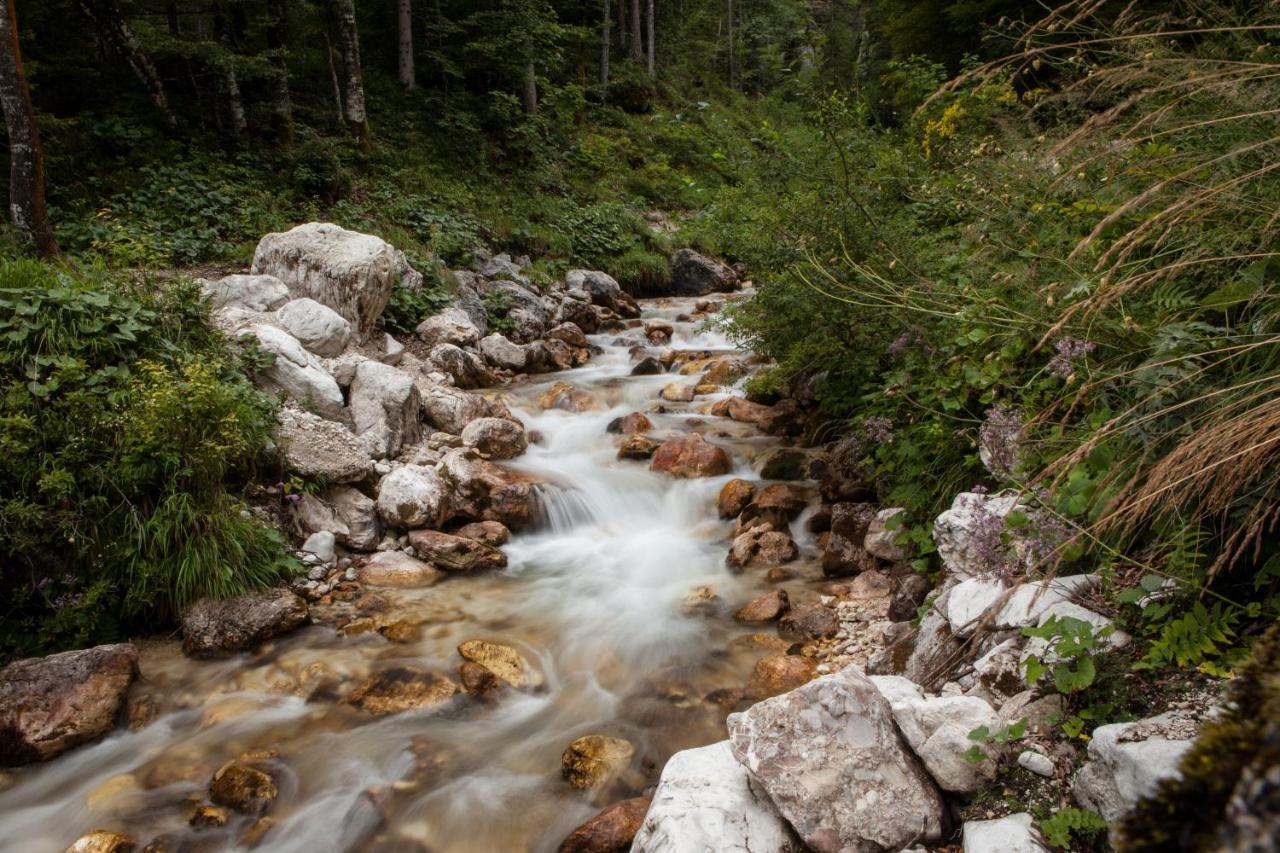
(595, 598)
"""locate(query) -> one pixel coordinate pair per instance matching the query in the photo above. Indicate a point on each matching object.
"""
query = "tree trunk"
(26, 159)
(529, 96)
(405, 16)
(337, 86)
(604, 54)
(115, 31)
(278, 43)
(235, 103)
(172, 18)
(731, 68)
(357, 119)
(652, 42)
(621, 6)
(637, 35)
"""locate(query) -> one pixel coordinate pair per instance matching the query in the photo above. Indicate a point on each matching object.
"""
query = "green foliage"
(496, 305)
(1069, 823)
(124, 418)
(1196, 638)
(1002, 736)
(1069, 655)
(407, 308)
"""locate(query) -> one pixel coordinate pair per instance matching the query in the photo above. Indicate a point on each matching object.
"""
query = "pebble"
(1041, 765)
(383, 468)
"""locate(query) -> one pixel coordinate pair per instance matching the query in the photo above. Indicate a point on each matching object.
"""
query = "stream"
(595, 598)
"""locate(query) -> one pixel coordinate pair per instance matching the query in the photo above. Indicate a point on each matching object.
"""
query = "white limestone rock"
(257, 293)
(1013, 834)
(320, 449)
(317, 327)
(1128, 760)
(412, 496)
(384, 408)
(297, 373)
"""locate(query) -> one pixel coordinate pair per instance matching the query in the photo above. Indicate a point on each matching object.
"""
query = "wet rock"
(648, 366)
(102, 841)
(496, 438)
(466, 369)
(246, 789)
(787, 499)
(478, 680)
(503, 660)
(784, 418)
(501, 352)
(910, 589)
(843, 554)
(258, 293)
(212, 628)
(630, 424)
(701, 600)
(611, 831)
(694, 274)
(707, 801)
(580, 313)
(879, 540)
(1012, 834)
(744, 411)
(569, 333)
(455, 554)
(398, 569)
(483, 491)
(604, 291)
(413, 496)
(491, 533)
(777, 574)
(450, 409)
(592, 760)
(296, 373)
(352, 273)
(318, 328)
(829, 756)
(1127, 761)
(567, 398)
(690, 456)
(734, 497)
(638, 447)
(51, 704)
(723, 371)
(808, 622)
(405, 688)
(208, 817)
(550, 355)
(451, 326)
(776, 674)
(319, 449)
(764, 608)
(784, 463)
(658, 331)
(762, 544)
(679, 392)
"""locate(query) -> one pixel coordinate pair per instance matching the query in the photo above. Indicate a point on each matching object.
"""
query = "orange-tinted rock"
(101, 841)
(611, 831)
(679, 392)
(764, 608)
(403, 688)
(592, 760)
(777, 674)
(491, 533)
(246, 789)
(690, 456)
(455, 553)
(784, 497)
(630, 424)
(734, 497)
(637, 447)
(567, 398)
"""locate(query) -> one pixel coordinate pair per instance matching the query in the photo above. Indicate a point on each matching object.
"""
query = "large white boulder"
(296, 372)
(1128, 760)
(260, 293)
(963, 532)
(496, 438)
(501, 352)
(350, 272)
(451, 326)
(831, 759)
(413, 496)
(384, 408)
(317, 327)
(358, 514)
(707, 801)
(1012, 834)
(319, 449)
(604, 291)
(450, 409)
(938, 729)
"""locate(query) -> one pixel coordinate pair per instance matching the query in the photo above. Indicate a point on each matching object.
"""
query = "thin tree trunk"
(337, 86)
(652, 41)
(731, 69)
(26, 158)
(278, 42)
(405, 17)
(604, 53)
(637, 35)
(235, 104)
(115, 30)
(357, 119)
(529, 96)
(172, 18)
(622, 25)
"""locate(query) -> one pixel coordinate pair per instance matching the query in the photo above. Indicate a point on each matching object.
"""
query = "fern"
(1194, 638)
(1058, 829)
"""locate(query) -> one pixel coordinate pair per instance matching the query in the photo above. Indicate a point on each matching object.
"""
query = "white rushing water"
(595, 598)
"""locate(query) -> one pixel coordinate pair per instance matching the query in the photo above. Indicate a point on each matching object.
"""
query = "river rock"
(404, 688)
(658, 331)
(491, 533)
(1012, 834)
(880, 540)
(246, 789)
(689, 456)
(51, 704)
(1127, 761)
(455, 554)
(466, 369)
(257, 293)
(764, 608)
(567, 398)
(809, 622)
(358, 514)
(604, 291)
(396, 568)
(319, 328)
(592, 760)
(787, 499)
(844, 554)
(384, 408)
(762, 544)
(638, 447)
(413, 496)
(611, 831)
(102, 841)
(213, 628)
(296, 373)
(648, 366)
(744, 411)
(707, 801)
(734, 497)
(569, 333)
(776, 674)
(451, 326)
(679, 392)
(504, 661)
(496, 438)
(577, 310)
(351, 273)
(630, 424)
(319, 449)
(784, 463)
(693, 274)
(501, 352)
(846, 479)
(784, 418)
(450, 409)
(483, 491)
(830, 757)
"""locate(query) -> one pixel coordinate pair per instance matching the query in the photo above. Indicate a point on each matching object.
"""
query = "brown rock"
(701, 600)
(658, 331)
(910, 589)
(762, 544)
(101, 841)
(455, 553)
(502, 660)
(404, 688)
(679, 392)
(570, 333)
(401, 631)
(611, 831)
(745, 411)
(567, 398)
(396, 568)
(734, 497)
(787, 499)
(630, 424)
(477, 680)
(491, 533)
(778, 574)
(215, 628)
(777, 674)
(843, 554)
(51, 704)
(784, 418)
(808, 622)
(690, 456)
(483, 491)
(648, 366)
(592, 760)
(720, 408)
(764, 608)
(243, 788)
(723, 371)
(638, 447)
(208, 817)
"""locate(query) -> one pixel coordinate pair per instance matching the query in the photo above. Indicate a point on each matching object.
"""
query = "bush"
(125, 416)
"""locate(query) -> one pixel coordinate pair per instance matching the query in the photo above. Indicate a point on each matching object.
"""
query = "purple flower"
(989, 547)
(1000, 440)
(293, 497)
(912, 337)
(1069, 351)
